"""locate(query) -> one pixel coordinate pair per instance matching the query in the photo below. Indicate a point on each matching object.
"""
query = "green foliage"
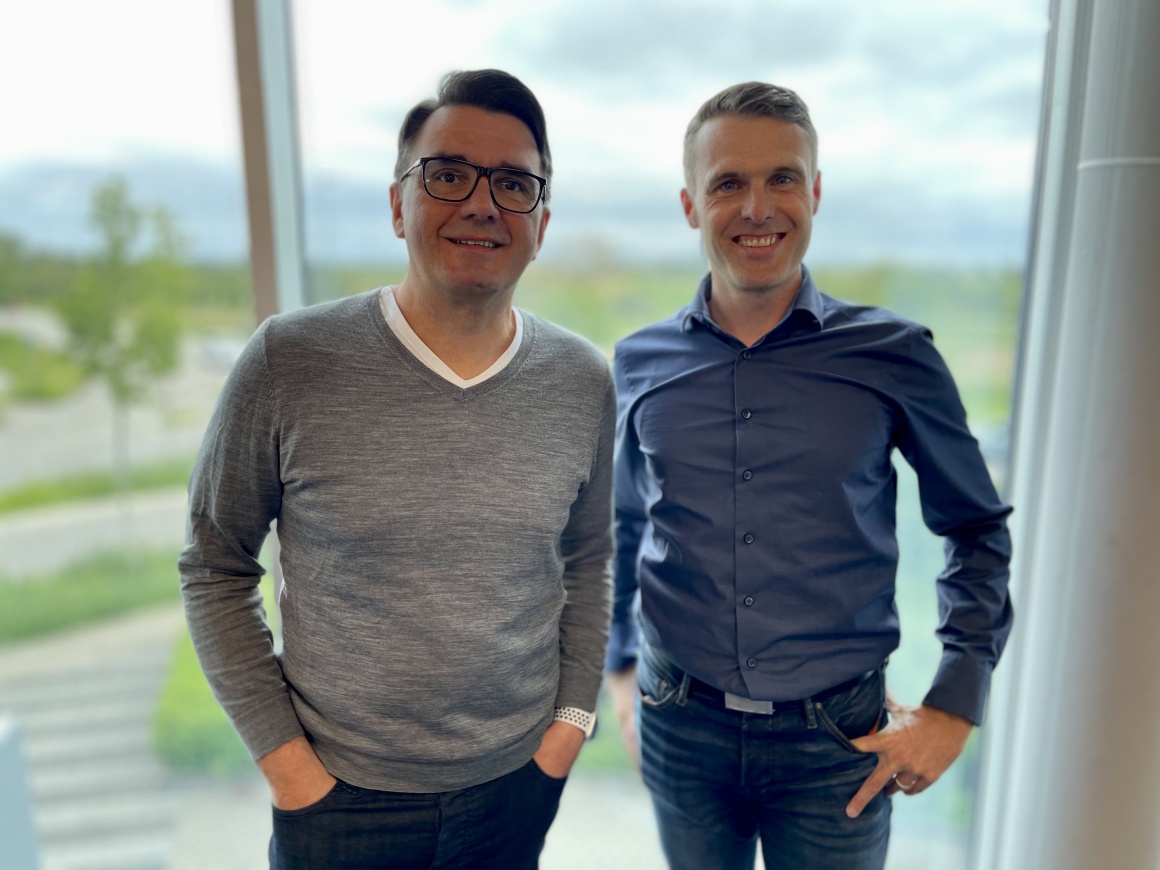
(334, 281)
(605, 303)
(40, 493)
(100, 586)
(190, 731)
(34, 373)
(32, 277)
(220, 298)
(122, 312)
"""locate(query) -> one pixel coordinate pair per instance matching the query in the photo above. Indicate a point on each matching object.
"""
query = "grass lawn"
(58, 490)
(94, 588)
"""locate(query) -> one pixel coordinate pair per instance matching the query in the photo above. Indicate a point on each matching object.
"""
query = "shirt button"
(747, 475)
(746, 413)
(746, 355)
(752, 663)
(748, 538)
(748, 600)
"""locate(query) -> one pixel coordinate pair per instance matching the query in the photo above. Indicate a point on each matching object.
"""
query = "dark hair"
(490, 89)
(752, 100)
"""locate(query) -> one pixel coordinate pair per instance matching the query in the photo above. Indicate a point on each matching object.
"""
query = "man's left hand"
(914, 750)
(558, 749)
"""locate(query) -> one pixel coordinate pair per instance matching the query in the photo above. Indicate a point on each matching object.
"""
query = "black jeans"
(499, 824)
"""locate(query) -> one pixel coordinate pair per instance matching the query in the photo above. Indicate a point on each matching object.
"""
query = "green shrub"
(190, 731)
(37, 374)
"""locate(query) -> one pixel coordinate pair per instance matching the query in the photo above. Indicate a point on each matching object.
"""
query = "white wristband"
(583, 720)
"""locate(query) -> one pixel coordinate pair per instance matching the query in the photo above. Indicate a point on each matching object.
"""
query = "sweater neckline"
(417, 367)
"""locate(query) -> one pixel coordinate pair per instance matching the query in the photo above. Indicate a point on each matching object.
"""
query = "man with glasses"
(439, 465)
(756, 549)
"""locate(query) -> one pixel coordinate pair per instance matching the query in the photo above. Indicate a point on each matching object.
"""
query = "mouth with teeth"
(477, 243)
(767, 241)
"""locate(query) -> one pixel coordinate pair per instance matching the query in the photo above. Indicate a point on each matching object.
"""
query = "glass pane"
(927, 119)
(124, 298)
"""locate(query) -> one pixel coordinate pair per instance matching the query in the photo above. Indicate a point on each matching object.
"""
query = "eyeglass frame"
(480, 172)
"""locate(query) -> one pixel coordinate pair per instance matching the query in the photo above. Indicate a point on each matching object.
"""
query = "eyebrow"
(462, 157)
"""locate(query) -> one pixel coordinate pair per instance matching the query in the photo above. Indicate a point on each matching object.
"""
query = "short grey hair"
(751, 100)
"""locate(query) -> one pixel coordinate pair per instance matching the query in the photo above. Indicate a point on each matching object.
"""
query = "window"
(124, 297)
(927, 120)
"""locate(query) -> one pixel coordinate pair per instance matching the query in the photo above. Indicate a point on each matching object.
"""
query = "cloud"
(47, 203)
(927, 111)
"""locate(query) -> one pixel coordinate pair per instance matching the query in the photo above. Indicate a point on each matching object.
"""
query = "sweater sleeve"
(586, 547)
(235, 492)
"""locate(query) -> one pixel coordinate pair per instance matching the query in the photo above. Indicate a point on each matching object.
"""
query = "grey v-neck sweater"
(445, 550)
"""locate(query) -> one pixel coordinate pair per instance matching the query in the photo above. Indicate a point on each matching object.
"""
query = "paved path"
(102, 800)
(47, 539)
(84, 700)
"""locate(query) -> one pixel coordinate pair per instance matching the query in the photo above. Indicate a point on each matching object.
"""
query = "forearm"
(586, 547)
(583, 634)
(235, 493)
(235, 648)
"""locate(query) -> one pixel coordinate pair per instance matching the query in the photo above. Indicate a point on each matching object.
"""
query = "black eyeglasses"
(454, 180)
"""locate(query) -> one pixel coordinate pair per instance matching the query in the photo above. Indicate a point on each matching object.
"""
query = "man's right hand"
(622, 687)
(297, 778)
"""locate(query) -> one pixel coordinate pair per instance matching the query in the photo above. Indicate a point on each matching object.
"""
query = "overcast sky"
(927, 112)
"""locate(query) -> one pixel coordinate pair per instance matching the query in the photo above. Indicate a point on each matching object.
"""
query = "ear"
(543, 226)
(817, 190)
(397, 209)
(690, 209)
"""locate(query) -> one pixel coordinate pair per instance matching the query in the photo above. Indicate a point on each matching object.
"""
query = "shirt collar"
(807, 305)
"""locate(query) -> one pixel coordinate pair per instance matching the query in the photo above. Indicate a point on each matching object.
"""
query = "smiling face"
(753, 197)
(469, 248)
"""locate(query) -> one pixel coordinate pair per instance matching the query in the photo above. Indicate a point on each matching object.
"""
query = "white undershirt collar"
(402, 330)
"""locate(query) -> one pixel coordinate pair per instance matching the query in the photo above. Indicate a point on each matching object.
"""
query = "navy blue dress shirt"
(755, 502)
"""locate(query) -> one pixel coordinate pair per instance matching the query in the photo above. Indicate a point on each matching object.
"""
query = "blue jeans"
(720, 779)
(499, 824)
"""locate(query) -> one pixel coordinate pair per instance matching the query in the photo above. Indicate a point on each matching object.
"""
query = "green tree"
(123, 315)
(123, 311)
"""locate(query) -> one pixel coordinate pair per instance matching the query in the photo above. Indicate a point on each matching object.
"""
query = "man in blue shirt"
(755, 502)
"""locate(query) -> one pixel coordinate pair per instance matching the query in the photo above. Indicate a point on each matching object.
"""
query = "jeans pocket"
(657, 684)
(834, 731)
(556, 781)
(338, 787)
(853, 714)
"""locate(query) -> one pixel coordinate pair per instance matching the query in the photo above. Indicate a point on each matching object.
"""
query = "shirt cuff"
(960, 686)
(583, 720)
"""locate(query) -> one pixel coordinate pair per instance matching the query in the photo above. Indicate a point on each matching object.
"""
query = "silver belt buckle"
(747, 705)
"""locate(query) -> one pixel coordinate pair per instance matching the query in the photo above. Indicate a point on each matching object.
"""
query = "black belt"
(728, 701)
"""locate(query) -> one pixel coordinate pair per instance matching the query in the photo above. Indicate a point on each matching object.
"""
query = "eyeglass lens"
(454, 180)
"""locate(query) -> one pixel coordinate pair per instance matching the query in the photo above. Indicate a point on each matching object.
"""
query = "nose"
(480, 203)
(759, 204)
